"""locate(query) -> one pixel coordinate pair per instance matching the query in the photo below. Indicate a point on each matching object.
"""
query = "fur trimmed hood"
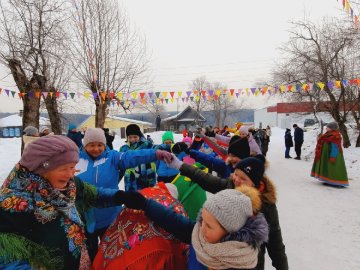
(269, 193)
(255, 232)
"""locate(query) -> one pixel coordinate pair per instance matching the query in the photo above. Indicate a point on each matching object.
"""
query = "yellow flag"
(119, 95)
(86, 95)
(164, 94)
(282, 88)
(304, 86)
(337, 84)
(172, 100)
(179, 94)
(134, 95)
(197, 98)
(218, 92)
(321, 85)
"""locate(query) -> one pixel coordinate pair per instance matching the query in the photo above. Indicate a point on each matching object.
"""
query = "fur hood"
(269, 193)
(255, 232)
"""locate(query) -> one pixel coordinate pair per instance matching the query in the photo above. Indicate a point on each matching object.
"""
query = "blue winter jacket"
(76, 137)
(213, 163)
(104, 172)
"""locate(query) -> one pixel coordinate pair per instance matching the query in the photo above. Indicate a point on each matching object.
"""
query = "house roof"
(201, 118)
(15, 120)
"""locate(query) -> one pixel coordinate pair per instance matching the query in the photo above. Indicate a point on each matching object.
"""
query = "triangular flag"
(192, 98)
(133, 102)
(172, 94)
(195, 92)
(13, 93)
(253, 90)
(142, 95)
(95, 95)
(330, 85)
(45, 94)
(103, 95)
(72, 94)
(150, 94)
(218, 92)
(197, 98)
(188, 93)
(119, 95)
(282, 88)
(57, 94)
(134, 95)
(65, 94)
(321, 85)
(237, 94)
(51, 94)
(86, 95)
(211, 92)
(216, 97)
(157, 94)
(111, 95)
(172, 100)
(232, 92)
(179, 94)
(7, 91)
(37, 94)
(165, 94)
(20, 95)
(203, 92)
(167, 100)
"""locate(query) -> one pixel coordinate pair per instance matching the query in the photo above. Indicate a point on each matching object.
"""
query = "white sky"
(231, 41)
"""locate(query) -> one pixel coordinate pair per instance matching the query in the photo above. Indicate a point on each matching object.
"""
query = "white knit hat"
(231, 208)
(94, 135)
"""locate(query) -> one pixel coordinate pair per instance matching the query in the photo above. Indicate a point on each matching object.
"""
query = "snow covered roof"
(201, 118)
(130, 120)
(15, 120)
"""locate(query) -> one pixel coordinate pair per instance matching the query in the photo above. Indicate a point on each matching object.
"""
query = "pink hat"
(244, 129)
(48, 153)
(187, 140)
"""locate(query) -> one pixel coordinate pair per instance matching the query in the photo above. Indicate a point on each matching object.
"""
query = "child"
(143, 175)
(249, 172)
(288, 143)
(31, 134)
(42, 206)
(100, 166)
(75, 135)
(227, 234)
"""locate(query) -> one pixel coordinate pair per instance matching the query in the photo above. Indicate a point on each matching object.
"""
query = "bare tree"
(198, 103)
(107, 55)
(221, 105)
(31, 40)
(321, 54)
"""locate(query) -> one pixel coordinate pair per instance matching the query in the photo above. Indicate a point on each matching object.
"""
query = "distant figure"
(44, 131)
(288, 143)
(299, 140)
(109, 137)
(329, 165)
(75, 135)
(30, 134)
(264, 140)
(158, 122)
(149, 139)
(268, 132)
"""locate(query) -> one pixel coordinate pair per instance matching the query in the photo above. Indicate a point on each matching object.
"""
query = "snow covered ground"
(320, 224)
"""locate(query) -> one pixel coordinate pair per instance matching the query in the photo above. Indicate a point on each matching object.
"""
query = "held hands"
(175, 163)
(131, 199)
(179, 147)
(164, 155)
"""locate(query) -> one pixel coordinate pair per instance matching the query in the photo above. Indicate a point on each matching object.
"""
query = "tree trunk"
(31, 104)
(100, 114)
(53, 112)
(346, 139)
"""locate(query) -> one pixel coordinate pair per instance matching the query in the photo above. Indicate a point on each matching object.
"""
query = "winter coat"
(275, 245)
(109, 140)
(76, 137)
(181, 227)
(288, 139)
(104, 172)
(35, 240)
(254, 146)
(213, 163)
(329, 164)
(142, 174)
(298, 135)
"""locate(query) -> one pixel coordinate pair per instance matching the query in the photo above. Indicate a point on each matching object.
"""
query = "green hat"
(168, 135)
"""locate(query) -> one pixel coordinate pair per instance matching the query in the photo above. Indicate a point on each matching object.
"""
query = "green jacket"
(275, 245)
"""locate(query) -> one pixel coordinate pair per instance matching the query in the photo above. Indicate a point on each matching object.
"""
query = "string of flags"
(355, 18)
(165, 97)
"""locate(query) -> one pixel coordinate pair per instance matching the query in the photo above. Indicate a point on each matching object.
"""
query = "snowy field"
(320, 224)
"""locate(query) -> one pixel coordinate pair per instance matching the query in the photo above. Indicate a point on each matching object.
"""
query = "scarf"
(24, 191)
(224, 255)
(332, 136)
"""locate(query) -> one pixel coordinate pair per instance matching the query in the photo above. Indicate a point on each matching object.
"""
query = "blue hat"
(71, 126)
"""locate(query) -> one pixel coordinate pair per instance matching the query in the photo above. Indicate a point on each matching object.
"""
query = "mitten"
(179, 147)
(134, 200)
(163, 155)
(175, 163)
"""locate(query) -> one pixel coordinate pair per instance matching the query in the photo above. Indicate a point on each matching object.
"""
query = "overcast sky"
(230, 41)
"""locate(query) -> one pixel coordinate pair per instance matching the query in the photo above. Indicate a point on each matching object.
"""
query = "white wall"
(265, 118)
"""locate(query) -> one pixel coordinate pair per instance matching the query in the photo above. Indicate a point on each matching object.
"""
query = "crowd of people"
(61, 206)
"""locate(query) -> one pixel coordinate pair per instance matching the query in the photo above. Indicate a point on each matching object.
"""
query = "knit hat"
(252, 167)
(94, 135)
(133, 129)
(333, 126)
(31, 131)
(48, 153)
(231, 208)
(187, 140)
(244, 129)
(71, 126)
(42, 129)
(168, 135)
(239, 147)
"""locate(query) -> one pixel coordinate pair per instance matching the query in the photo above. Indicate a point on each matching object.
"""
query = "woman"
(41, 207)
(329, 165)
(288, 143)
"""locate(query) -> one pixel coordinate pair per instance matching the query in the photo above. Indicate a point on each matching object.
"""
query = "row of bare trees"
(323, 53)
(48, 45)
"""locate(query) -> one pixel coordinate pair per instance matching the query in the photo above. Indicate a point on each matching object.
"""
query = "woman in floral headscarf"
(329, 165)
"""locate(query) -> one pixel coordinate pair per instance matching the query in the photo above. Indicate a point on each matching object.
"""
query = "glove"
(119, 197)
(133, 200)
(163, 155)
(175, 163)
(179, 147)
(332, 160)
